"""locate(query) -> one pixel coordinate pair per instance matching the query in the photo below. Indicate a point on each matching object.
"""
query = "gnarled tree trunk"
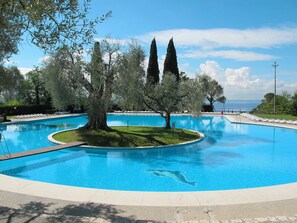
(167, 119)
(97, 118)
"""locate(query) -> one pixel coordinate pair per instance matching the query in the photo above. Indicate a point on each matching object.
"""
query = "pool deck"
(43, 202)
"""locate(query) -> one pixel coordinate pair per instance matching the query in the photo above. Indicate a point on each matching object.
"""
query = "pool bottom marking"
(176, 175)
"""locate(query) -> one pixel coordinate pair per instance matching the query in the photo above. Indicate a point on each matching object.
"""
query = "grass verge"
(282, 117)
(128, 137)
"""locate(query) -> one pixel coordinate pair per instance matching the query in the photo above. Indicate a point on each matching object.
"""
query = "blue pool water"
(231, 156)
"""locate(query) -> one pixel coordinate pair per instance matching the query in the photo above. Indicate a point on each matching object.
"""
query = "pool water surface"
(231, 156)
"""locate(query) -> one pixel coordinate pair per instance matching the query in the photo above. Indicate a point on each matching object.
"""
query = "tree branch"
(150, 107)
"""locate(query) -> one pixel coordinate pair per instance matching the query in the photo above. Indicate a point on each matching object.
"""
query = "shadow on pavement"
(44, 212)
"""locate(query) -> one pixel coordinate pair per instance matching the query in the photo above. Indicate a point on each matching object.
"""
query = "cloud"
(25, 70)
(242, 84)
(114, 41)
(43, 59)
(229, 54)
(218, 38)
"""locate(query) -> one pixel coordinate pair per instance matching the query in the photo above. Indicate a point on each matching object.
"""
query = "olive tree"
(35, 91)
(213, 91)
(99, 83)
(172, 95)
(73, 81)
(50, 24)
(130, 77)
(62, 79)
(11, 84)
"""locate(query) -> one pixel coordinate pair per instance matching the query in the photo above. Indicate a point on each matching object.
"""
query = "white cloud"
(241, 84)
(229, 54)
(43, 59)
(216, 38)
(25, 70)
(213, 69)
(114, 41)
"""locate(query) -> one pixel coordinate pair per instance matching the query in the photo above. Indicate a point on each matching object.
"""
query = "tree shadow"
(46, 212)
(25, 213)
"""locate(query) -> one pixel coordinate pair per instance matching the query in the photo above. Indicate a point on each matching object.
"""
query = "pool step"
(42, 150)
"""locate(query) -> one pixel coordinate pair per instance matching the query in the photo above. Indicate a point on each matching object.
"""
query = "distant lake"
(237, 105)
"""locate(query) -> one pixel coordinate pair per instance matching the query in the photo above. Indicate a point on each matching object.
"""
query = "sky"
(234, 41)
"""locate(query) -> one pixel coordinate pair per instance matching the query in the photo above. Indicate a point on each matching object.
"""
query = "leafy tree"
(183, 76)
(176, 92)
(193, 95)
(12, 84)
(153, 66)
(130, 78)
(35, 92)
(283, 104)
(268, 97)
(62, 79)
(72, 81)
(172, 95)
(170, 63)
(294, 104)
(96, 90)
(51, 24)
(212, 89)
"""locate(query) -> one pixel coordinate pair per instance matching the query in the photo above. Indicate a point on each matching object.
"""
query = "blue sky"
(234, 41)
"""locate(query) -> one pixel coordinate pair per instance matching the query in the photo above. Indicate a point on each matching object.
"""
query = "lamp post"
(275, 65)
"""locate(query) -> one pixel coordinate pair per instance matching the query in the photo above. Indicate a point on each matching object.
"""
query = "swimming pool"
(232, 156)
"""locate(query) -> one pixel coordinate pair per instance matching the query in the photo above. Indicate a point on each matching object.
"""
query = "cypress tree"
(170, 64)
(97, 67)
(153, 67)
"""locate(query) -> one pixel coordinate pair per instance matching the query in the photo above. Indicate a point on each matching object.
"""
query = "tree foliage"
(35, 91)
(72, 81)
(51, 24)
(284, 104)
(172, 95)
(62, 79)
(98, 82)
(153, 66)
(170, 63)
(12, 84)
(130, 79)
(213, 91)
(294, 104)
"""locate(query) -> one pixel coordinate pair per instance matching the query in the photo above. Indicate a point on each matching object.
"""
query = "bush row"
(25, 109)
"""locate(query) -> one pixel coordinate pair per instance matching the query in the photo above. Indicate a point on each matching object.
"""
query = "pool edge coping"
(201, 138)
(145, 198)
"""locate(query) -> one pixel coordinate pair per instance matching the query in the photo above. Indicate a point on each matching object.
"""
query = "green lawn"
(282, 117)
(128, 137)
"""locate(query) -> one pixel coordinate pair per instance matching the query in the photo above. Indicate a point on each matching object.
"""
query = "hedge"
(25, 109)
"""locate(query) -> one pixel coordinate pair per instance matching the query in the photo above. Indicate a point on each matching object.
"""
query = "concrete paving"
(16, 207)
(28, 201)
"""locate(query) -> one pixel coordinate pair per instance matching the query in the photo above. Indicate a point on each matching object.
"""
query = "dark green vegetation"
(281, 117)
(286, 104)
(128, 136)
(153, 66)
(170, 63)
(213, 90)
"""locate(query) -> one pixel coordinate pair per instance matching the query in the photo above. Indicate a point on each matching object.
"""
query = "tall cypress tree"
(97, 67)
(97, 109)
(153, 67)
(170, 64)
